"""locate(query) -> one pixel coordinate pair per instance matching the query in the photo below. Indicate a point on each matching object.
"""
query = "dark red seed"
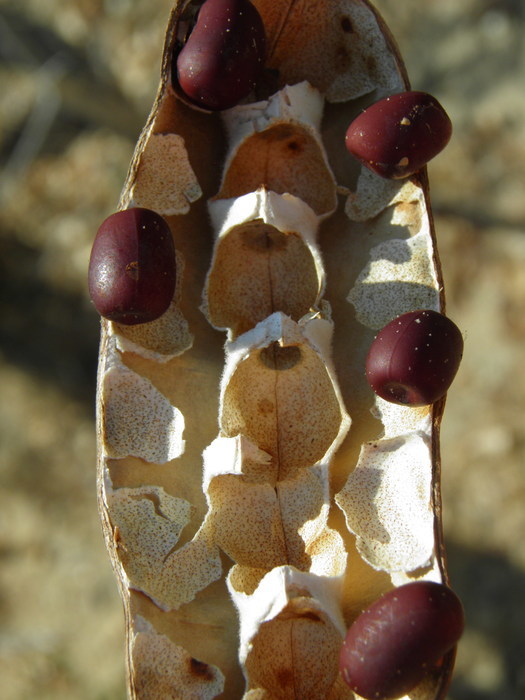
(132, 268)
(414, 359)
(393, 643)
(398, 135)
(224, 54)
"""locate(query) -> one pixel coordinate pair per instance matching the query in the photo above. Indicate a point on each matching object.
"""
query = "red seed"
(132, 270)
(393, 643)
(224, 54)
(414, 359)
(398, 135)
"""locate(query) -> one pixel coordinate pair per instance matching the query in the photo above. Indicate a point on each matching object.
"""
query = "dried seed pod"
(414, 359)
(132, 268)
(398, 135)
(223, 56)
(392, 644)
(235, 564)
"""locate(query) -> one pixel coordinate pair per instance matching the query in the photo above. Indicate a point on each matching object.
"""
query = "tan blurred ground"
(77, 79)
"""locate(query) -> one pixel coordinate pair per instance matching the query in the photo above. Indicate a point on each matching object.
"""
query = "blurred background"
(77, 81)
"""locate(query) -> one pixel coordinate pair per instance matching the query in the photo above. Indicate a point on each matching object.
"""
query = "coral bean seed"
(223, 56)
(393, 643)
(398, 135)
(414, 359)
(132, 270)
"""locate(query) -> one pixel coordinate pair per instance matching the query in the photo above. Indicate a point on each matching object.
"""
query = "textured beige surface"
(385, 501)
(156, 657)
(139, 420)
(346, 67)
(67, 154)
(165, 181)
(265, 259)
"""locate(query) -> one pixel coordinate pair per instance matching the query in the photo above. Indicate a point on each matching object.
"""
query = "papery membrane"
(387, 503)
(139, 420)
(265, 259)
(164, 669)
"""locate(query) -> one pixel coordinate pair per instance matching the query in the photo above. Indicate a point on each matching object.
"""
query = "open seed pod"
(255, 494)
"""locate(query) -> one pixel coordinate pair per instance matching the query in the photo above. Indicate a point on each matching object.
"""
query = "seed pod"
(393, 643)
(222, 464)
(132, 267)
(414, 359)
(223, 56)
(398, 135)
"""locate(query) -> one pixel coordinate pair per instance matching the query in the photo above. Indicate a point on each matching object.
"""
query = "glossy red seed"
(413, 360)
(391, 645)
(224, 54)
(132, 268)
(398, 135)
